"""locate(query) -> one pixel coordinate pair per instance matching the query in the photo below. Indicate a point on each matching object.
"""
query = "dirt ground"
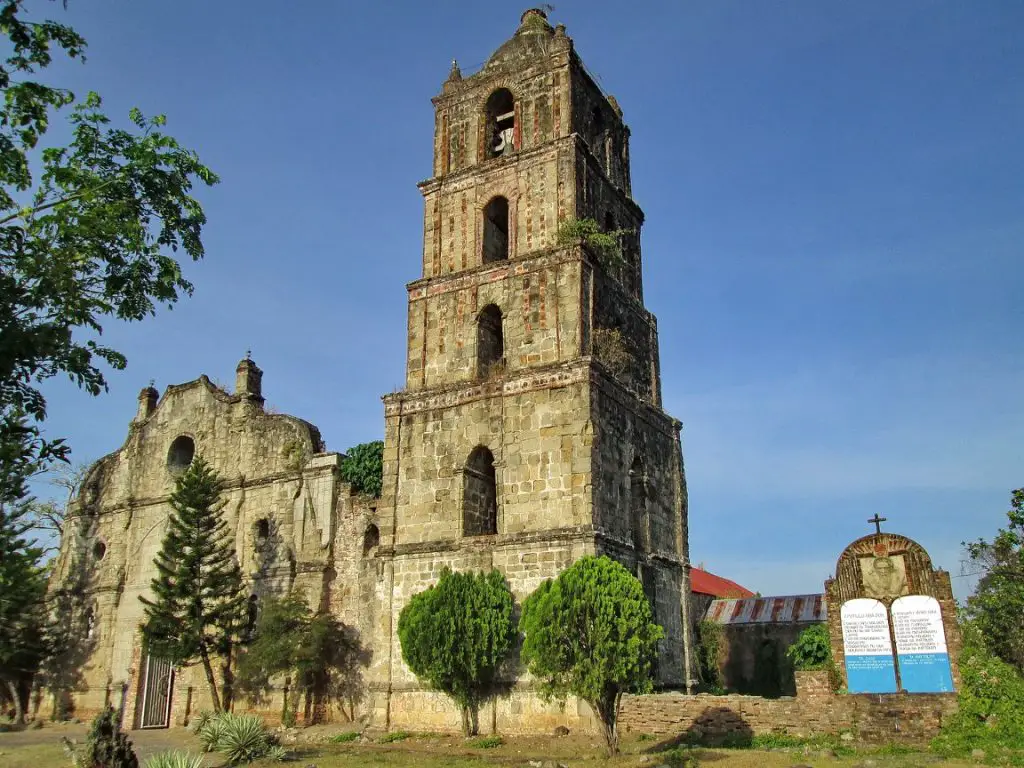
(43, 749)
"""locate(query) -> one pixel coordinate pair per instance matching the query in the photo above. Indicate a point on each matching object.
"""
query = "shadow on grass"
(714, 727)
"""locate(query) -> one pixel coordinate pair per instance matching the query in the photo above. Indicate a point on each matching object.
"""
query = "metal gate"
(156, 695)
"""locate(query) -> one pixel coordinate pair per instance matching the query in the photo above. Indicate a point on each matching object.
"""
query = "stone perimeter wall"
(815, 710)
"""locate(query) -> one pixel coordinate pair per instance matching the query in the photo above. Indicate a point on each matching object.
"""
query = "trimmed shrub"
(107, 745)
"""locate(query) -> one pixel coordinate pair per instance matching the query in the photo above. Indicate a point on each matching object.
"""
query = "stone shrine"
(892, 618)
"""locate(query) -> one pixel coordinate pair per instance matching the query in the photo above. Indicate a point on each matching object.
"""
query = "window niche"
(261, 533)
(490, 343)
(495, 231)
(499, 115)
(180, 454)
(479, 494)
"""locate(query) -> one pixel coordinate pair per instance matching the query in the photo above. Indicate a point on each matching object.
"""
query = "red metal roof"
(705, 583)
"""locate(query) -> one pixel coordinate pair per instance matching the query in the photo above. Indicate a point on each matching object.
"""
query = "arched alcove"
(490, 342)
(500, 123)
(479, 494)
(495, 230)
(261, 531)
(180, 454)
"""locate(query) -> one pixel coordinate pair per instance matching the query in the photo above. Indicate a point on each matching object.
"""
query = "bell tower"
(530, 430)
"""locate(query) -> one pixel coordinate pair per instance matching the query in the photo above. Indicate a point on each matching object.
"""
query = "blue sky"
(834, 196)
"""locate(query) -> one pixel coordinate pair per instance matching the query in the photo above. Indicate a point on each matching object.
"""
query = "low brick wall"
(815, 710)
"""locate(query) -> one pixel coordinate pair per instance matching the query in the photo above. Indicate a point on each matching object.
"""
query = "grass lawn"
(42, 749)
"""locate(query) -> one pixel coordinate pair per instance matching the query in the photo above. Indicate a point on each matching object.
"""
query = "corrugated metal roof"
(792, 609)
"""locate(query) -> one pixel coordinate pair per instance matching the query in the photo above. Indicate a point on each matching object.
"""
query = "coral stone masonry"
(529, 432)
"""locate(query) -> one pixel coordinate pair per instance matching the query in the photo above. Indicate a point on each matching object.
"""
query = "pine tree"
(199, 607)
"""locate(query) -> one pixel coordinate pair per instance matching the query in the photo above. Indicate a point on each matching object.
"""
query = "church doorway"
(156, 693)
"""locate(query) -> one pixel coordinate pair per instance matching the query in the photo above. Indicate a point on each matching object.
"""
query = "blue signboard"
(921, 645)
(867, 647)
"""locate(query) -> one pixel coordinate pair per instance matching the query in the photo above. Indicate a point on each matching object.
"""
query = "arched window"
(490, 343)
(99, 550)
(371, 539)
(495, 245)
(638, 504)
(609, 221)
(500, 123)
(479, 494)
(180, 454)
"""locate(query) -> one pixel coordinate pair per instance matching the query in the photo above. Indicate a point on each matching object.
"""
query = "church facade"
(529, 433)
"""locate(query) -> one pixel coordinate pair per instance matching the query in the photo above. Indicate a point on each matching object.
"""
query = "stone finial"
(455, 74)
(249, 380)
(148, 398)
(560, 30)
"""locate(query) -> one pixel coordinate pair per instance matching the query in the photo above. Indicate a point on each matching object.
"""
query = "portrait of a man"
(884, 576)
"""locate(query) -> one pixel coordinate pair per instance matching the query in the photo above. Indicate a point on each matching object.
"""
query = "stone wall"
(815, 710)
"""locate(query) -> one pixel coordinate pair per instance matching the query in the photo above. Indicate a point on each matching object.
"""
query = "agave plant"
(245, 738)
(212, 731)
(200, 720)
(175, 759)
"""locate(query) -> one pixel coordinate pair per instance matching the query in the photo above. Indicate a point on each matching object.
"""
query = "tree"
(22, 574)
(590, 632)
(85, 234)
(317, 651)
(455, 635)
(363, 467)
(198, 610)
(997, 604)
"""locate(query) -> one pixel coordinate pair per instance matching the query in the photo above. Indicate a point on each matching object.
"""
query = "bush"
(605, 245)
(611, 349)
(487, 742)
(175, 759)
(107, 745)
(363, 467)
(812, 649)
(991, 704)
(344, 738)
(391, 738)
(709, 653)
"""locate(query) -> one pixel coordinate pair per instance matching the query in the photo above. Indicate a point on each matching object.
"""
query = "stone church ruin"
(512, 444)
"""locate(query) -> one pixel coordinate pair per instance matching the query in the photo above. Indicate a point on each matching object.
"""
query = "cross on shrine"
(878, 522)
